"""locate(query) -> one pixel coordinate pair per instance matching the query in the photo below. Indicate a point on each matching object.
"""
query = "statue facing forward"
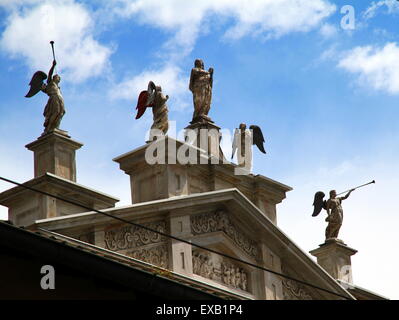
(201, 82)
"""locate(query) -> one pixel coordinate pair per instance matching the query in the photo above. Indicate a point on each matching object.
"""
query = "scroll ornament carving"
(132, 237)
(219, 221)
(157, 255)
(294, 291)
(224, 272)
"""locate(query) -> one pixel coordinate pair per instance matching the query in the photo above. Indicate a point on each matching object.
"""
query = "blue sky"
(326, 98)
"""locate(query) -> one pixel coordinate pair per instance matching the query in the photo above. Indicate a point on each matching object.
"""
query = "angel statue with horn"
(54, 110)
(333, 206)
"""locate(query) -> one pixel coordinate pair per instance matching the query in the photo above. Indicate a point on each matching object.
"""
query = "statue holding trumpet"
(333, 206)
(54, 110)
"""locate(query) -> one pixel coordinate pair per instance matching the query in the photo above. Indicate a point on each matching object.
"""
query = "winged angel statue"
(333, 206)
(54, 110)
(243, 140)
(154, 98)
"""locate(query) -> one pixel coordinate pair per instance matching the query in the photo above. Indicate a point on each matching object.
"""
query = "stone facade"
(219, 221)
(206, 205)
(159, 181)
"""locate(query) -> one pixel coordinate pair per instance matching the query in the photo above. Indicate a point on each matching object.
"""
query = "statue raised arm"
(54, 109)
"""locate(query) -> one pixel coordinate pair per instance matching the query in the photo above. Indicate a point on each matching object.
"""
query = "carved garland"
(294, 291)
(133, 237)
(219, 221)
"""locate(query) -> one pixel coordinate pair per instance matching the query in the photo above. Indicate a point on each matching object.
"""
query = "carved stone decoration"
(221, 271)
(132, 237)
(156, 255)
(219, 221)
(294, 291)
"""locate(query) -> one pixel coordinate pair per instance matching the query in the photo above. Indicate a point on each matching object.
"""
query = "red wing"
(141, 104)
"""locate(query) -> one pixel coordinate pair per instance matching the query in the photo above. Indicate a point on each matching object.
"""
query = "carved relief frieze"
(129, 236)
(223, 271)
(219, 221)
(156, 255)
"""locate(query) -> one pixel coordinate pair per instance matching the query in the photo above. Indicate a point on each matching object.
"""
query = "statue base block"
(206, 136)
(334, 256)
(54, 153)
(203, 119)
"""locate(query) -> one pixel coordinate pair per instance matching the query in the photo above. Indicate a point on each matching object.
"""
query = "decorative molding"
(222, 271)
(294, 291)
(156, 255)
(132, 237)
(219, 221)
(88, 237)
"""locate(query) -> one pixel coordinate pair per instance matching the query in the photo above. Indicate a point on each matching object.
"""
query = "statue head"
(333, 194)
(199, 63)
(243, 126)
(56, 78)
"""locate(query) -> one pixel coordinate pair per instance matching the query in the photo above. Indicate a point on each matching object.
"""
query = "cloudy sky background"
(326, 98)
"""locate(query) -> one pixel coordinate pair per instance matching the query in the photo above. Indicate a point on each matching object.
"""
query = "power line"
(172, 237)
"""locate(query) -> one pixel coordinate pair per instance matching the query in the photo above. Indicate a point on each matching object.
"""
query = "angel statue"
(54, 110)
(154, 98)
(243, 140)
(333, 206)
(201, 82)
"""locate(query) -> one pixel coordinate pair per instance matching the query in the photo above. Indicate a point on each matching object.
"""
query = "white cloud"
(371, 11)
(327, 30)
(185, 20)
(10, 4)
(169, 78)
(188, 18)
(375, 67)
(28, 32)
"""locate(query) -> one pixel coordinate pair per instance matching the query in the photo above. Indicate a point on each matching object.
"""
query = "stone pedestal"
(55, 153)
(334, 256)
(206, 136)
(55, 173)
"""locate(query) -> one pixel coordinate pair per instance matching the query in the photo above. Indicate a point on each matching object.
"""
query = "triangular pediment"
(224, 221)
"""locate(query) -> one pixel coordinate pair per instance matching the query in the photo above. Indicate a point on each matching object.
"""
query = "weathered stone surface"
(220, 269)
(55, 153)
(129, 236)
(335, 257)
(219, 221)
(26, 206)
(159, 181)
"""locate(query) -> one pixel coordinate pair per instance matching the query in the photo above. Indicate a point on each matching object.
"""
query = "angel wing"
(258, 137)
(235, 142)
(319, 203)
(36, 83)
(141, 104)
